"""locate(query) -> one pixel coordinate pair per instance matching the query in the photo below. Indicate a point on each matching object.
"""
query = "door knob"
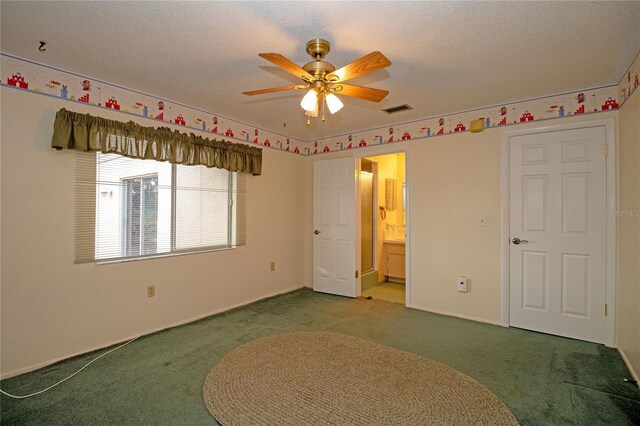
(316, 232)
(517, 241)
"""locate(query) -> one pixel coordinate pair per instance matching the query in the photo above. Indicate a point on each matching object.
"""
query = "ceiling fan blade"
(366, 93)
(373, 61)
(272, 90)
(286, 64)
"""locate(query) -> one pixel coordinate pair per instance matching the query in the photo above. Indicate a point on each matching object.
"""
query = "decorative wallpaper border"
(629, 82)
(41, 79)
(557, 106)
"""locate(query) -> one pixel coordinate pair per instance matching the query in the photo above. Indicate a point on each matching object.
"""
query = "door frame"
(384, 149)
(611, 202)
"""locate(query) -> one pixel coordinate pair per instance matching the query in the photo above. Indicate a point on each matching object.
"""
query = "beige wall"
(51, 308)
(451, 181)
(629, 232)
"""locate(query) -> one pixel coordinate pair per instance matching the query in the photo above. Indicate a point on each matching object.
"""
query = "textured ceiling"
(447, 56)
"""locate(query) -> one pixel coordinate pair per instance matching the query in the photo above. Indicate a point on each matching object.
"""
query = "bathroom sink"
(394, 241)
(395, 235)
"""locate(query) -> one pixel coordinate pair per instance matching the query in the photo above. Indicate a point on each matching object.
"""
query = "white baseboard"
(450, 314)
(172, 325)
(626, 361)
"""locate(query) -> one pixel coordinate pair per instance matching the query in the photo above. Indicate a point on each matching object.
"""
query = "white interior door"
(557, 279)
(334, 222)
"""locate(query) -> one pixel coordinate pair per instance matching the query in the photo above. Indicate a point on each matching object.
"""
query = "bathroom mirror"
(390, 194)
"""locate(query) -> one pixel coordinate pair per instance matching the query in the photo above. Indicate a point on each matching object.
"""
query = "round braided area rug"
(332, 379)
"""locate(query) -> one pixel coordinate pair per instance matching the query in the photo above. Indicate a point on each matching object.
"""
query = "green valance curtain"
(84, 132)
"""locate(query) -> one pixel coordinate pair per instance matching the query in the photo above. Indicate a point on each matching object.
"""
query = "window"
(146, 208)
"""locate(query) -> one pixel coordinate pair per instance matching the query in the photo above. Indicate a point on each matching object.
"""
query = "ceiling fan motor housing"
(318, 48)
(318, 69)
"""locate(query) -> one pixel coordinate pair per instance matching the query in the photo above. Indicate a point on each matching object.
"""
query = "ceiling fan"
(324, 81)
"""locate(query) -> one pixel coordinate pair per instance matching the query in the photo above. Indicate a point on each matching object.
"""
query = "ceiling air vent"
(395, 109)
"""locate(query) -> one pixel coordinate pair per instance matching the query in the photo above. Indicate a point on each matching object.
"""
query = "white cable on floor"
(67, 378)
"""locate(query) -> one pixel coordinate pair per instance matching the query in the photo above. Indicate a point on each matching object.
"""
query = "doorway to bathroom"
(383, 227)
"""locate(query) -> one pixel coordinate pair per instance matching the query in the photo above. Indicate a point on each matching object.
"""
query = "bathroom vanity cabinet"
(394, 256)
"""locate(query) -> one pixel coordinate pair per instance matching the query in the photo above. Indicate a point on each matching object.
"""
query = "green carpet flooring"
(544, 380)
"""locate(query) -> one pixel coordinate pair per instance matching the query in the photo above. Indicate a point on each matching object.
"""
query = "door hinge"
(606, 150)
(356, 273)
(606, 309)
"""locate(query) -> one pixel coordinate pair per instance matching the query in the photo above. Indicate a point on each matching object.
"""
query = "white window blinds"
(131, 208)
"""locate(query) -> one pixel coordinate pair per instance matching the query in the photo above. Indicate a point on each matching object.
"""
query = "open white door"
(334, 223)
(558, 250)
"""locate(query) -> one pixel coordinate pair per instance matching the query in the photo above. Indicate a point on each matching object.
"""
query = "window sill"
(161, 255)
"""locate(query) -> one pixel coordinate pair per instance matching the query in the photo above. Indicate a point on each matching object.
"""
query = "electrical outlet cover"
(462, 284)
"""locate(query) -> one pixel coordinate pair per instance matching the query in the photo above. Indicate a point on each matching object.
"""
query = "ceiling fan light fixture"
(334, 103)
(313, 113)
(310, 101)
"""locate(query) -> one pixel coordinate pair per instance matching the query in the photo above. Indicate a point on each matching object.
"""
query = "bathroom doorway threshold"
(387, 291)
